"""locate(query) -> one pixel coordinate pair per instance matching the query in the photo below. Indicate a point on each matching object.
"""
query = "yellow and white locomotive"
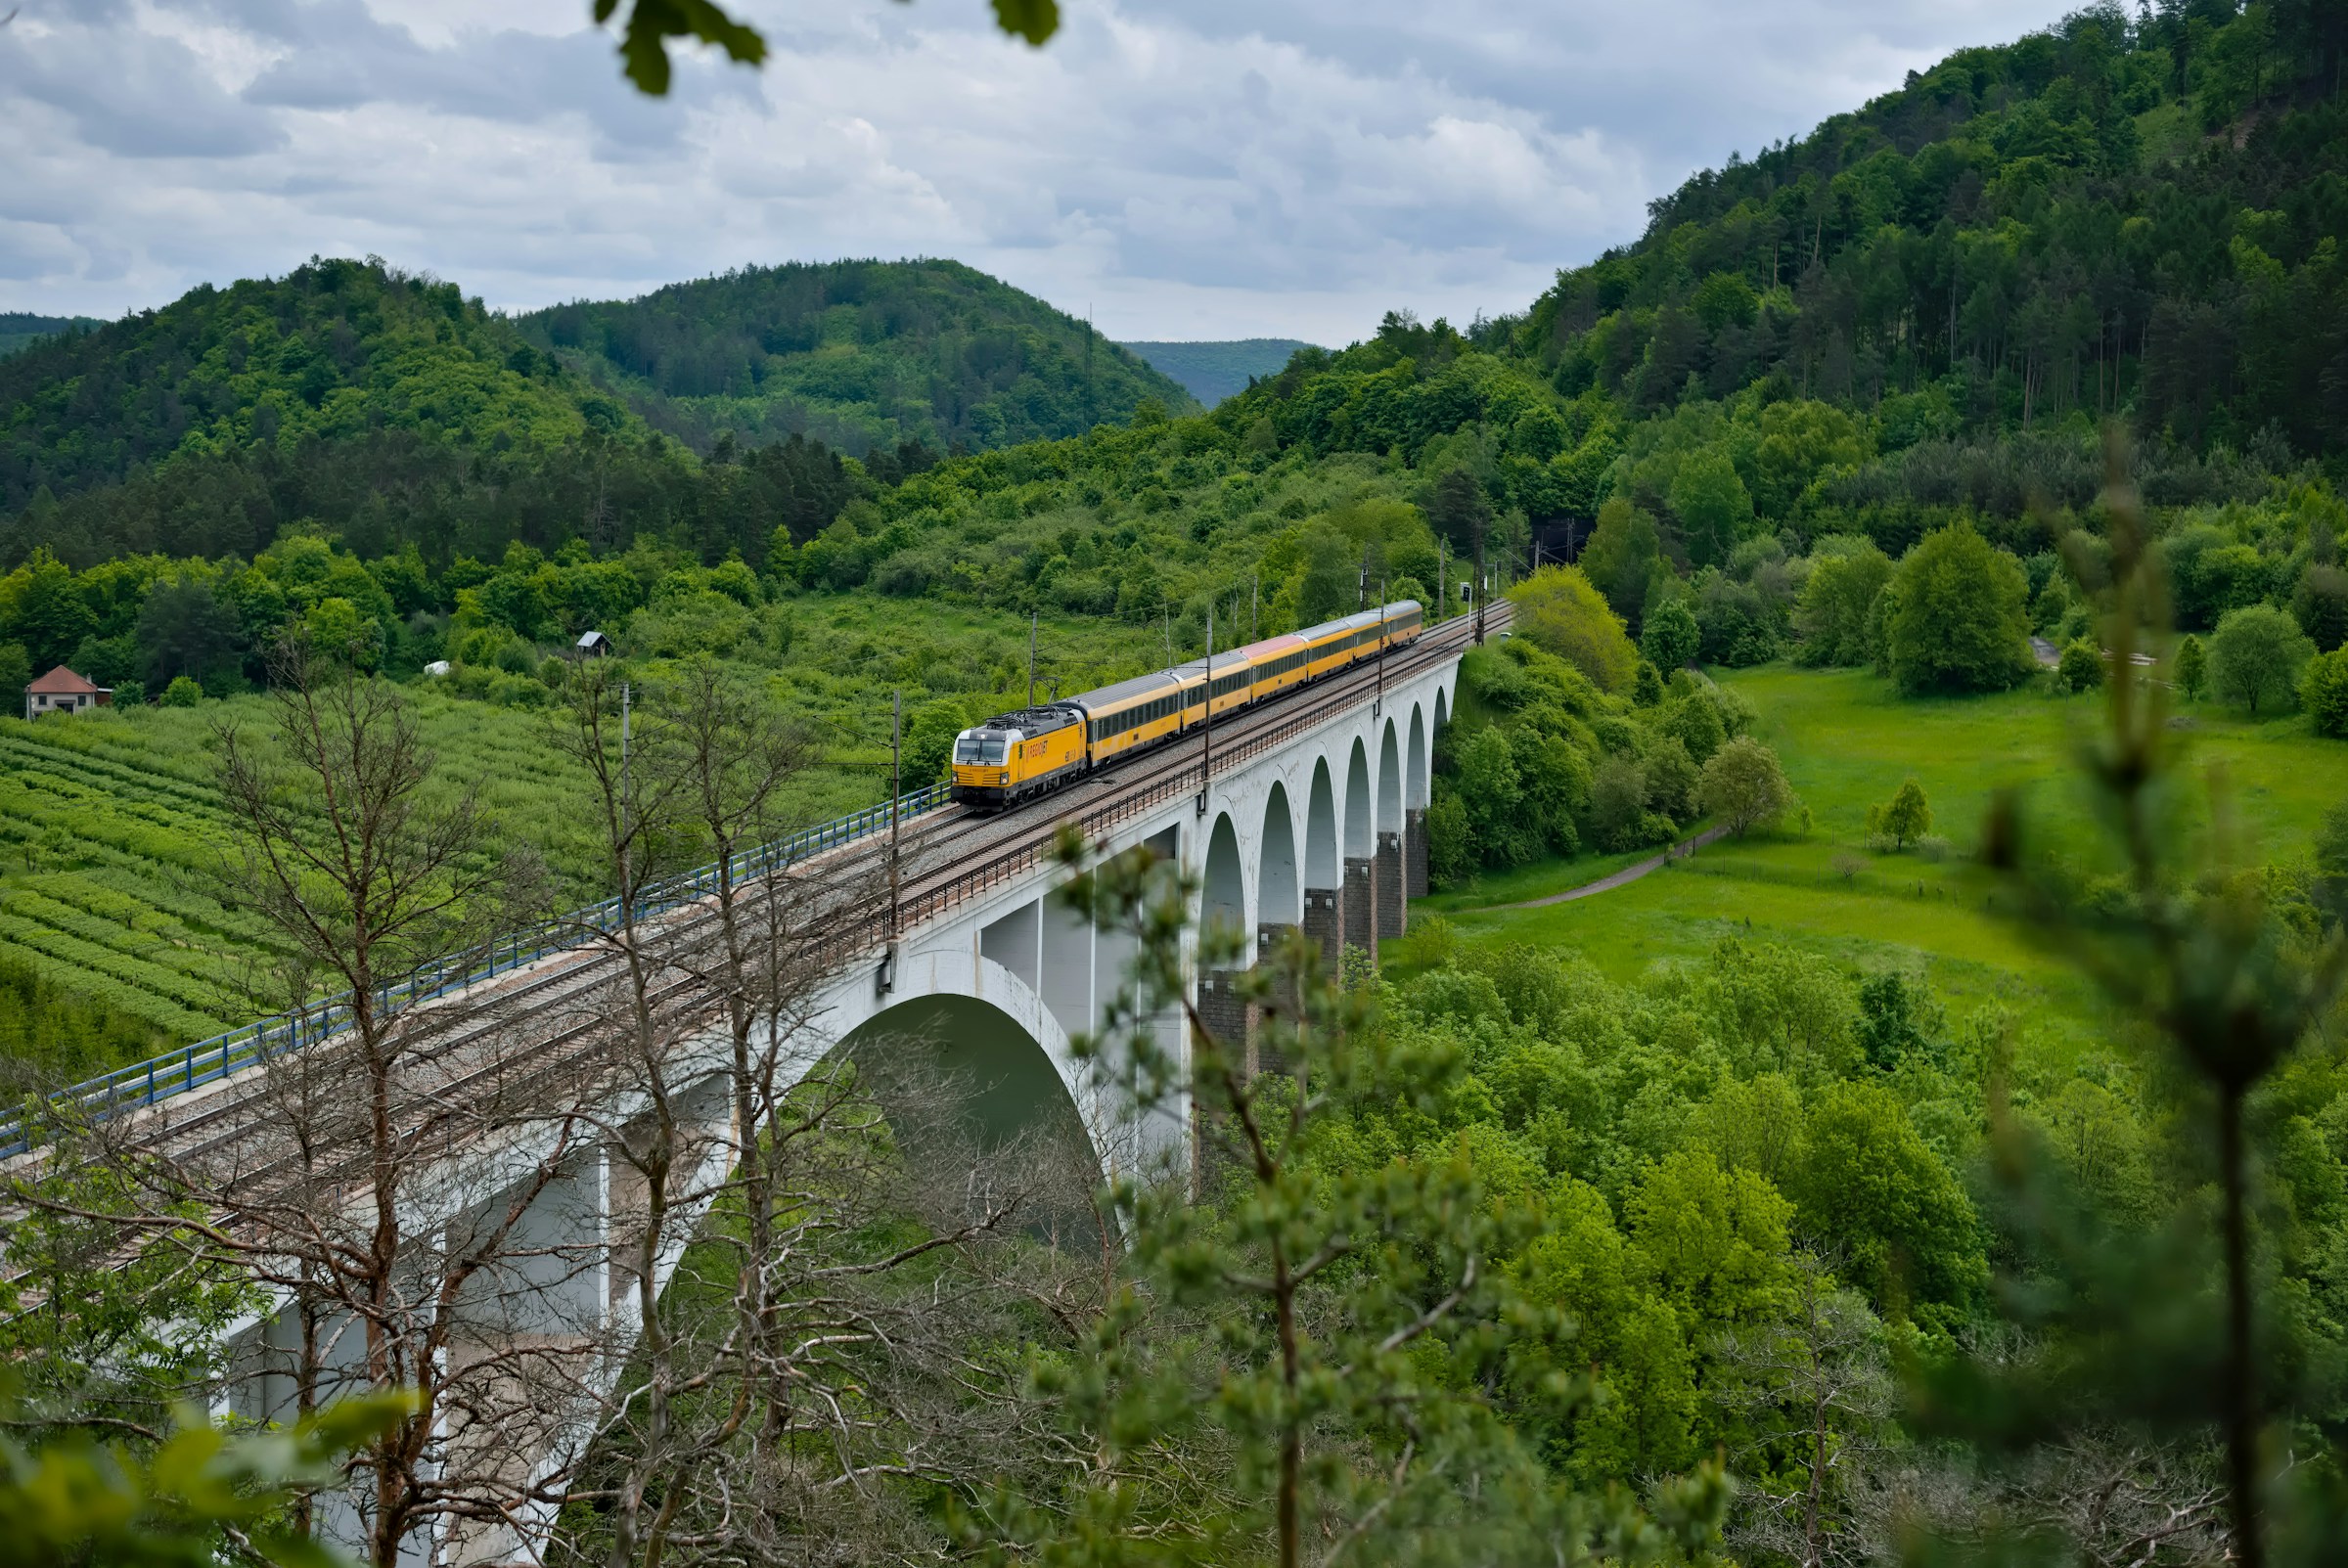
(1017, 755)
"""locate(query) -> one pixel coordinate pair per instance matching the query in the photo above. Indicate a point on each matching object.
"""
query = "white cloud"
(1184, 170)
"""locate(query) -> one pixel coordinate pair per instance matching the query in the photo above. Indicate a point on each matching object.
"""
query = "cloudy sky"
(1204, 169)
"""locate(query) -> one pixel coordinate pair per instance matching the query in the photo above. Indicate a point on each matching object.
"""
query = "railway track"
(944, 857)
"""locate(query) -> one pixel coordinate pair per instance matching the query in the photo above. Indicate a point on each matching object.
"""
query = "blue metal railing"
(207, 1060)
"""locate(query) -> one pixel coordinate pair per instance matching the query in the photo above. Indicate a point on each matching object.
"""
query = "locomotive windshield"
(980, 747)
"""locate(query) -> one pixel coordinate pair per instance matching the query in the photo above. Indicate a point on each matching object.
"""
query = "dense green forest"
(1212, 371)
(857, 354)
(20, 329)
(2109, 216)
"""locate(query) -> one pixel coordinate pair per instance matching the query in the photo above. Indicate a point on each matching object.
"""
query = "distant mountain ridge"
(1213, 371)
(858, 354)
(20, 329)
(387, 409)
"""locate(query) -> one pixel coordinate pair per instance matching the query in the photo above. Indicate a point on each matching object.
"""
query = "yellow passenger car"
(1234, 684)
(1275, 665)
(1135, 713)
(1013, 756)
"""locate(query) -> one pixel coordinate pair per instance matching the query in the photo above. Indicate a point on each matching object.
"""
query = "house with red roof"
(61, 690)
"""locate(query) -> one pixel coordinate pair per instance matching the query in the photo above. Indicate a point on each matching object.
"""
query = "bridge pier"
(1361, 904)
(1270, 937)
(1393, 900)
(1414, 840)
(1227, 1015)
(1325, 924)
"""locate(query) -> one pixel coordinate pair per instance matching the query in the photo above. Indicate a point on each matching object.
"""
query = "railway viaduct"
(1307, 812)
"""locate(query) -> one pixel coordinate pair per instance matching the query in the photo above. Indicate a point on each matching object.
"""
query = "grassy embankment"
(1847, 740)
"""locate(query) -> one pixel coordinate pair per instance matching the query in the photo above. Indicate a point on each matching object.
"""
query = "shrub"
(1432, 942)
(1559, 611)
(2255, 657)
(182, 693)
(2324, 692)
(129, 693)
(2082, 667)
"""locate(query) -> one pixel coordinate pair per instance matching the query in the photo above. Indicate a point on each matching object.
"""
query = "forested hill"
(334, 351)
(857, 354)
(20, 329)
(2141, 216)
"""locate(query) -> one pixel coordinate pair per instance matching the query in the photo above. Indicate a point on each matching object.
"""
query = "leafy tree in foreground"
(1903, 818)
(2122, 1325)
(197, 1499)
(1958, 615)
(649, 26)
(1743, 786)
(2255, 657)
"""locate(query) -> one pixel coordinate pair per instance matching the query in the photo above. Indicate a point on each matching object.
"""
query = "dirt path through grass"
(1629, 874)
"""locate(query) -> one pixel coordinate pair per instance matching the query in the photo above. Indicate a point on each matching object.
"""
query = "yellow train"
(1019, 755)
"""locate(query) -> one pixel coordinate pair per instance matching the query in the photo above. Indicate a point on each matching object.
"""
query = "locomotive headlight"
(1002, 778)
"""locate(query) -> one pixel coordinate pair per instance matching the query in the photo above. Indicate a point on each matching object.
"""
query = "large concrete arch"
(1416, 783)
(1390, 875)
(1278, 889)
(1321, 868)
(1359, 828)
(1223, 893)
(1389, 781)
(1417, 788)
(1442, 712)
(1360, 901)
(1324, 868)
(980, 1103)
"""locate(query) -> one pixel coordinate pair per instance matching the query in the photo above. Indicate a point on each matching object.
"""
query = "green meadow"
(1847, 742)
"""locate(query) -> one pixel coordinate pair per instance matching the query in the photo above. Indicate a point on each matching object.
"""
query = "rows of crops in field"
(118, 862)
